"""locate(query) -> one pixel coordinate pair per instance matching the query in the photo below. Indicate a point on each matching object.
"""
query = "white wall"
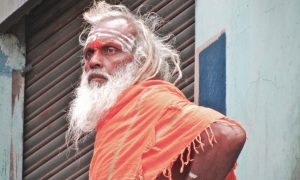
(263, 79)
(7, 7)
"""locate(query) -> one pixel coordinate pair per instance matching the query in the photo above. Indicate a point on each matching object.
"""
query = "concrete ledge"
(18, 14)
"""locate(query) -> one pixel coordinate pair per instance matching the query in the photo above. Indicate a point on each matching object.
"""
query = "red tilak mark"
(94, 44)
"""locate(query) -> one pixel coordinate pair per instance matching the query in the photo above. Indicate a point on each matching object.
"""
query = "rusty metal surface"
(54, 56)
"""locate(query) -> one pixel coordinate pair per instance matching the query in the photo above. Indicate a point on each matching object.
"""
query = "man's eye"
(88, 54)
(109, 50)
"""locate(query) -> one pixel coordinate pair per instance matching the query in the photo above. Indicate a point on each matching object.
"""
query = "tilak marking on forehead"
(127, 37)
(127, 41)
(124, 45)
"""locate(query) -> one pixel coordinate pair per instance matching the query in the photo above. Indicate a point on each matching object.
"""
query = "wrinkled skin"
(106, 52)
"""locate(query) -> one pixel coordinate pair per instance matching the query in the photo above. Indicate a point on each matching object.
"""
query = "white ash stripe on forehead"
(125, 45)
(129, 38)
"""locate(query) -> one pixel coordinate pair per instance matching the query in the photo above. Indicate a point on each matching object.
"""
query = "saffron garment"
(151, 124)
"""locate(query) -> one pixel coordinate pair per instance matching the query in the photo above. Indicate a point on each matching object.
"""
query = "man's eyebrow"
(114, 42)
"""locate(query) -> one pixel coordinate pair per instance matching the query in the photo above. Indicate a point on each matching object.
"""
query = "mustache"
(96, 73)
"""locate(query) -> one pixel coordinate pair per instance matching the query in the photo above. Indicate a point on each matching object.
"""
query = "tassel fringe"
(195, 145)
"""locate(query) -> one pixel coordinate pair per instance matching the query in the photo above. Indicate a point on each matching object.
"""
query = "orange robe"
(141, 136)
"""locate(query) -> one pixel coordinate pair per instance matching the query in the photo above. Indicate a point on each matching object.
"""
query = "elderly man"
(143, 122)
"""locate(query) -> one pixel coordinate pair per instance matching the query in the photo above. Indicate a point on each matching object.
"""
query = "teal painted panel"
(212, 69)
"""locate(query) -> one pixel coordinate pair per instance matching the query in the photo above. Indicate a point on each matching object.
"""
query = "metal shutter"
(53, 57)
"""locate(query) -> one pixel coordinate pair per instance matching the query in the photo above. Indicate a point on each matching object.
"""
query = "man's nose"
(96, 61)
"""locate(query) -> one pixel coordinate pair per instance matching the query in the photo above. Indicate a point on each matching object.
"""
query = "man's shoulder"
(160, 93)
(160, 86)
(151, 94)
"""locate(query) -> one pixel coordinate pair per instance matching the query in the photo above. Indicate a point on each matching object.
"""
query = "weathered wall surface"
(12, 62)
(7, 7)
(262, 79)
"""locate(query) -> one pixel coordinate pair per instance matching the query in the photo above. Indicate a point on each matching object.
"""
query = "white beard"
(93, 100)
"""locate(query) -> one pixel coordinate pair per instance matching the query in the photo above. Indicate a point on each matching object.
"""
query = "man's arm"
(215, 162)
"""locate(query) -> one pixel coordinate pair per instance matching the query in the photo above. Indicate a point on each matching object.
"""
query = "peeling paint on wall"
(12, 62)
(11, 158)
(14, 51)
(17, 84)
(4, 69)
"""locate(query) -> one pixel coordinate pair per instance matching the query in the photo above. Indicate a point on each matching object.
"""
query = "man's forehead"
(117, 29)
(116, 24)
(101, 36)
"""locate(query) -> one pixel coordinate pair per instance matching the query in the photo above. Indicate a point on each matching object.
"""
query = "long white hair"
(158, 59)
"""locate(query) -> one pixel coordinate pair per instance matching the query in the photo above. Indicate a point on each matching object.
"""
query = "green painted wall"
(263, 79)
(12, 62)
